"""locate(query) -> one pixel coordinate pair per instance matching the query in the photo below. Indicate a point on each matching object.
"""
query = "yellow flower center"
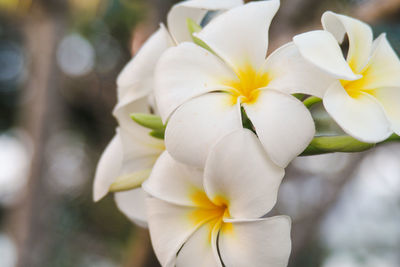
(247, 85)
(210, 212)
(356, 88)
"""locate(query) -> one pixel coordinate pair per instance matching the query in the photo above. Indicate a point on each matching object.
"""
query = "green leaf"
(202, 44)
(157, 134)
(149, 121)
(193, 28)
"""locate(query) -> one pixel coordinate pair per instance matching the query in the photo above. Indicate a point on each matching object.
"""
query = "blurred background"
(59, 60)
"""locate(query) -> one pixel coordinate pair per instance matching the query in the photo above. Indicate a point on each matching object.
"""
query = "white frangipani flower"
(201, 94)
(364, 95)
(196, 10)
(129, 157)
(136, 79)
(213, 217)
(132, 152)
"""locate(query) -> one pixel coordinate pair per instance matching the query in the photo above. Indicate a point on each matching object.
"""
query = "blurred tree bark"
(375, 10)
(41, 110)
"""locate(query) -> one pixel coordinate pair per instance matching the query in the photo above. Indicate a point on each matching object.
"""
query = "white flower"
(200, 93)
(203, 219)
(129, 157)
(364, 95)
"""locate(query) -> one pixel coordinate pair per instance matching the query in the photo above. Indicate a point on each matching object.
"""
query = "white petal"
(361, 117)
(257, 243)
(383, 69)
(390, 100)
(321, 49)
(174, 182)
(359, 33)
(195, 10)
(198, 251)
(137, 77)
(184, 72)
(132, 204)
(108, 168)
(291, 73)
(240, 35)
(240, 172)
(140, 150)
(124, 108)
(198, 124)
(170, 226)
(283, 124)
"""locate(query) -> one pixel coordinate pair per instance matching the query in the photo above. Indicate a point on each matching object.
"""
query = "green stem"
(393, 137)
(310, 101)
(329, 144)
(299, 96)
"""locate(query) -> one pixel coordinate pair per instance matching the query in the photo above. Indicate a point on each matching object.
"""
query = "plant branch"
(310, 101)
(329, 144)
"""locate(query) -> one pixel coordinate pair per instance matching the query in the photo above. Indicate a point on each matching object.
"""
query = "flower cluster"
(207, 124)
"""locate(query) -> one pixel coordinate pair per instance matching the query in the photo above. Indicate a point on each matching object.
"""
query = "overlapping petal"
(198, 124)
(132, 204)
(283, 125)
(200, 244)
(239, 172)
(359, 33)
(321, 49)
(291, 73)
(136, 79)
(174, 182)
(389, 97)
(108, 168)
(361, 117)
(167, 242)
(240, 35)
(195, 10)
(140, 150)
(383, 69)
(123, 110)
(184, 72)
(257, 243)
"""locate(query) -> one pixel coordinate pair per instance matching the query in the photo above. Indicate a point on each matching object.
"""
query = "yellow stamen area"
(210, 213)
(247, 85)
(356, 88)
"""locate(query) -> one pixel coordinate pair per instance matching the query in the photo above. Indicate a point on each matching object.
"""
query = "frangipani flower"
(137, 78)
(214, 218)
(201, 93)
(364, 95)
(130, 156)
